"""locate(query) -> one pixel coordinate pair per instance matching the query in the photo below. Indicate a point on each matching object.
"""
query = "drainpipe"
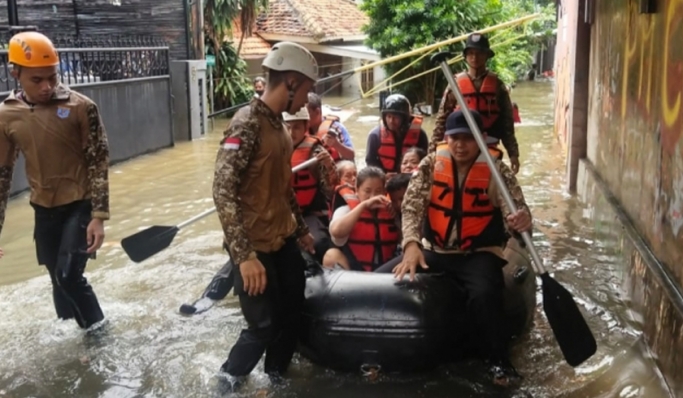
(12, 14)
(77, 28)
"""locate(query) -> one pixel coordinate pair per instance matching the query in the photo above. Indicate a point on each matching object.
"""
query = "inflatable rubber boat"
(358, 320)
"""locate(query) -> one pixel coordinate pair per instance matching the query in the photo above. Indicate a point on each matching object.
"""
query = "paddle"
(569, 327)
(144, 244)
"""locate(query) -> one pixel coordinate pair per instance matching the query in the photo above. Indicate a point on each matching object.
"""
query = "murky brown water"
(150, 350)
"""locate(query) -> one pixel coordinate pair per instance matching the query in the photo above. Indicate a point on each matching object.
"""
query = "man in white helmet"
(262, 223)
(313, 186)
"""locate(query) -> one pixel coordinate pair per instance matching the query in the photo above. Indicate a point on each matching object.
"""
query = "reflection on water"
(148, 349)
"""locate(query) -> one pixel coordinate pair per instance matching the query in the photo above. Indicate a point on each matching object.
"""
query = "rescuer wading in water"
(262, 223)
(485, 93)
(61, 135)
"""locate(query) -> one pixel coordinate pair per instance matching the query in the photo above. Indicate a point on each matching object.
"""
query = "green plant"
(397, 26)
(231, 84)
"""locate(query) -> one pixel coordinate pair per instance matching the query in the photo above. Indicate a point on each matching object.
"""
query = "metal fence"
(100, 59)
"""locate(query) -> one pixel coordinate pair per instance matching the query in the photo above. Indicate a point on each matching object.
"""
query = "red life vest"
(303, 181)
(322, 131)
(479, 224)
(375, 235)
(388, 153)
(484, 101)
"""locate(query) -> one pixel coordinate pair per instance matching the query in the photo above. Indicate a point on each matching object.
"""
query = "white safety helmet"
(301, 115)
(287, 56)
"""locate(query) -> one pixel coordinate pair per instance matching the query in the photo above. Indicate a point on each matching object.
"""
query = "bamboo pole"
(447, 42)
(450, 62)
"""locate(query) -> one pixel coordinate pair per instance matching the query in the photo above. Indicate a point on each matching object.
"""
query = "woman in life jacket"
(313, 186)
(411, 159)
(362, 226)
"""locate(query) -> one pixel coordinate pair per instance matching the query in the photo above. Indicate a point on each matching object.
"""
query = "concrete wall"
(351, 86)
(631, 136)
(136, 115)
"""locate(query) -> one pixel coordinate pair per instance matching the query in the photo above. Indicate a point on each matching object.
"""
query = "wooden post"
(196, 29)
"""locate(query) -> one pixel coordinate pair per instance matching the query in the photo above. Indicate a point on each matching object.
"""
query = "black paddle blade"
(570, 329)
(145, 244)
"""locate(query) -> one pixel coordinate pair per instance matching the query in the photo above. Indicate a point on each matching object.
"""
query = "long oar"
(569, 327)
(144, 244)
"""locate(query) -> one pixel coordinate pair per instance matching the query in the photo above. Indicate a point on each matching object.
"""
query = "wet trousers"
(480, 275)
(273, 318)
(61, 243)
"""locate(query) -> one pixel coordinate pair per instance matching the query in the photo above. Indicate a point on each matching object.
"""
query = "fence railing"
(92, 65)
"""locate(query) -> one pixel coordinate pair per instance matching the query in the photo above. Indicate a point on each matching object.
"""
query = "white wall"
(351, 85)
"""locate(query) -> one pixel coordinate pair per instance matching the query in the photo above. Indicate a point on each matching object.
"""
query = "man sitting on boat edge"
(465, 233)
(313, 186)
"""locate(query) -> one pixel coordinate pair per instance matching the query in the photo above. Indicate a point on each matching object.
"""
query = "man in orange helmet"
(65, 145)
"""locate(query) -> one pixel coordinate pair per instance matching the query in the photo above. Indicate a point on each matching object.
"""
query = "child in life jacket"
(411, 159)
(346, 171)
(396, 188)
(362, 226)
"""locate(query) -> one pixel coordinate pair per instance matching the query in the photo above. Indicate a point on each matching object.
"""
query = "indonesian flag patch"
(232, 143)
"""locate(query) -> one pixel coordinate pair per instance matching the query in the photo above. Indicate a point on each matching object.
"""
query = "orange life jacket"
(495, 152)
(389, 153)
(375, 235)
(484, 101)
(322, 131)
(303, 181)
(515, 114)
(479, 224)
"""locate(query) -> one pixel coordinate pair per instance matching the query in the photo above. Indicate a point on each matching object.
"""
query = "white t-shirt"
(339, 213)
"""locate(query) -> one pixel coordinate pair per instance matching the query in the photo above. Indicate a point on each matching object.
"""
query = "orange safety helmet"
(32, 50)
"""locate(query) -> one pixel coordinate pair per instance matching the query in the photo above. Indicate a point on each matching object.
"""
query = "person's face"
(298, 130)
(410, 162)
(39, 84)
(397, 199)
(300, 94)
(476, 58)
(348, 176)
(369, 188)
(463, 147)
(259, 87)
(316, 117)
(393, 121)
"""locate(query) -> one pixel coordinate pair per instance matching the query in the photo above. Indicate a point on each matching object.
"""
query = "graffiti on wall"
(636, 117)
(652, 74)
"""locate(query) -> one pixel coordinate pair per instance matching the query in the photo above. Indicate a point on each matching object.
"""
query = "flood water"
(149, 350)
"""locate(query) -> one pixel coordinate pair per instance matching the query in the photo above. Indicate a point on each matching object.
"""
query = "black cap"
(457, 124)
(478, 41)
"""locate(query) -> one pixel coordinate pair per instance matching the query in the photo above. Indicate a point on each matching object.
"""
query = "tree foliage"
(398, 26)
(230, 73)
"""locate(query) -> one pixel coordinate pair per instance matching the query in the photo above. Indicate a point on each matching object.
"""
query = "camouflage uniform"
(95, 155)
(68, 173)
(417, 197)
(505, 122)
(231, 166)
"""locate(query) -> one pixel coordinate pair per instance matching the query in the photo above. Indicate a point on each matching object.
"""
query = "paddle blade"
(570, 329)
(145, 244)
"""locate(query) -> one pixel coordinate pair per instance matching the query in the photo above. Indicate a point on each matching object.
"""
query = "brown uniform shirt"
(66, 151)
(505, 123)
(418, 195)
(252, 186)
